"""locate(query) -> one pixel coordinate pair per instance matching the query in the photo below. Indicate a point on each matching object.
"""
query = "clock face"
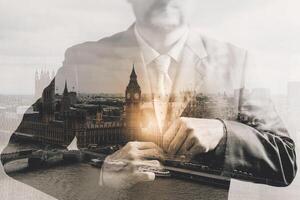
(136, 95)
(128, 96)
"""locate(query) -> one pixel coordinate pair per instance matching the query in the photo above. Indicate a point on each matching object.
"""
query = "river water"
(80, 182)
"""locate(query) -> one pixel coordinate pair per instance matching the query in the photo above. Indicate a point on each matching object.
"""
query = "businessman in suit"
(170, 57)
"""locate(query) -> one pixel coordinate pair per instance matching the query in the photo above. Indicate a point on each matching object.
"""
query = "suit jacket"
(256, 147)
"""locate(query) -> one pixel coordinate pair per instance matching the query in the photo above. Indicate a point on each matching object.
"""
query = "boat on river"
(96, 162)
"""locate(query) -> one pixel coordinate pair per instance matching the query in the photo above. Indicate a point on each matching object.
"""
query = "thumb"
(144, 176)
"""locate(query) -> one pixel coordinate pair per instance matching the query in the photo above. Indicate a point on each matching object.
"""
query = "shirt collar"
(150, 54)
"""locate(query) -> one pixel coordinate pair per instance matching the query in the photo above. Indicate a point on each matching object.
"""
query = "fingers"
(128, 175)
(140, 151)
(142, 145)
(146, 145)
(190, 141)
(195, 150)
(144, 176)
(188, 144)
(116, 165)
(149, 163)
(179, 139)
(170, 134)
(153, 154)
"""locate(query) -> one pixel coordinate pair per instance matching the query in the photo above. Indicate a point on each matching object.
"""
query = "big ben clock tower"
(132, 107)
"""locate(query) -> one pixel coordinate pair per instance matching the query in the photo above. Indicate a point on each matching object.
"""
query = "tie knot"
(162, 63)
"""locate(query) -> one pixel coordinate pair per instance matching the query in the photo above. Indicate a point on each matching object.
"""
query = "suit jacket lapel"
(190, 77)
(183, 87)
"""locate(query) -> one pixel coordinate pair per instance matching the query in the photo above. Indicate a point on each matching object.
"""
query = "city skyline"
(29, 88)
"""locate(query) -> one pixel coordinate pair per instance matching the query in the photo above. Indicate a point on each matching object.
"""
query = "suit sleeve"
(258, 146)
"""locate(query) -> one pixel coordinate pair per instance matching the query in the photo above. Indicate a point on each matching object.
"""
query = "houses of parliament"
(57, 119)
(113, 119)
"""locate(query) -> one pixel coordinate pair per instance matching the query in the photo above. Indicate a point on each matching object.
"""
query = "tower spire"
(66, 88)
(133, 74)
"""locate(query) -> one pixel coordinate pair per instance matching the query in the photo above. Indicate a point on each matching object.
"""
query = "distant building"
(42, 80)
(57, 119)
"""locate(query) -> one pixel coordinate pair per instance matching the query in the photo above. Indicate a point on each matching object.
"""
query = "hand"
(122, 169)
(192, 136)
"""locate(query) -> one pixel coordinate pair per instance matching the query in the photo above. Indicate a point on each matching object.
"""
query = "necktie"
(162, 89)
(164, 82)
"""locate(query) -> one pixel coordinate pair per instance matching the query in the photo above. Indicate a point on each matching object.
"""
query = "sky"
(35, 34)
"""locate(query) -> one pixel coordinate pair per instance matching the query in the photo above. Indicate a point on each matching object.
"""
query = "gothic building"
(59, 118)
(47, 103)
(42, 80)
(66, 100)
(133, 107)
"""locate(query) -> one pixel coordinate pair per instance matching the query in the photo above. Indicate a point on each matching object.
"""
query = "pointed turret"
(66, 101)
(133, 85)
(53, 74)
(133, 74)
(66, 92)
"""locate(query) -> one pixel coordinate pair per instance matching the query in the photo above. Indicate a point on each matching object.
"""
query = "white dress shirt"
(149, 54)
(149, 57)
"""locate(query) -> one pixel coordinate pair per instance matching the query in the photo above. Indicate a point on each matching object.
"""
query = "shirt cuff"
(220, 150)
